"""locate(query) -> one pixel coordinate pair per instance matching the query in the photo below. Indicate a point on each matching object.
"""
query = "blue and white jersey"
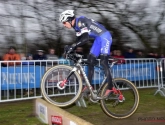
(83, 25)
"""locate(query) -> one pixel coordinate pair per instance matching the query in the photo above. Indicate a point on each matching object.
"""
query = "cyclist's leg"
(106, 41)
(94, 52)
(91, 62)
(104, 63)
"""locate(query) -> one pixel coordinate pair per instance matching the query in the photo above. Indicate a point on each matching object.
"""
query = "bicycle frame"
(78, 67)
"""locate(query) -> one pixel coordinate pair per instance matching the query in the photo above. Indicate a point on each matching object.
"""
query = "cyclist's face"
(67, 25)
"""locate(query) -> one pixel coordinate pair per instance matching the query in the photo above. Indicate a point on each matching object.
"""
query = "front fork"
(62, 84)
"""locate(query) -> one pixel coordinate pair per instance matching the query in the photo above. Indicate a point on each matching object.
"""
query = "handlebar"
(73, 56)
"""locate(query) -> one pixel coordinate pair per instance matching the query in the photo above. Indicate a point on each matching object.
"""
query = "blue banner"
(30, 76)
(21, 77)
(131, 71)
(135, 72)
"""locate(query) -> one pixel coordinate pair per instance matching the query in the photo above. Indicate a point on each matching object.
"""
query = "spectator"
(22, 56)
(140, 54)
(40, 56)
(156, 55)
(119, 55)
(11, 56)
(80, 51)
(51, 56)
(28, 57)
(130, 53)
(114, 52)
(150, 55)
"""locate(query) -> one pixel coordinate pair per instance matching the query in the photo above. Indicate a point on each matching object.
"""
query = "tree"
(36, 22)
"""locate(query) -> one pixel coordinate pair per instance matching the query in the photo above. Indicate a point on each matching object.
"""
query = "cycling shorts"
(102, 44)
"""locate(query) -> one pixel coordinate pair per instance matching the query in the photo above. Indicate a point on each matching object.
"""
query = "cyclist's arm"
(82, 35)
(82, 39)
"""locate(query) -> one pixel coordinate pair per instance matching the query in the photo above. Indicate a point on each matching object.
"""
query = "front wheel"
(122, 103)
(65, 96)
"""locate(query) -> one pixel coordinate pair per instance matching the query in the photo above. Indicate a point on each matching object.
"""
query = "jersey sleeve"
(83, 26)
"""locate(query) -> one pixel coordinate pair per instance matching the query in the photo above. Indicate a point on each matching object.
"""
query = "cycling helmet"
(67, 15)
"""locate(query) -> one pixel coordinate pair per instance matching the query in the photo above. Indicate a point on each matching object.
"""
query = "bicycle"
(62, 85)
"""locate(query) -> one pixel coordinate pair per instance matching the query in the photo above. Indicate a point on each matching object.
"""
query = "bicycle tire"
(53, 94)
(118, 111)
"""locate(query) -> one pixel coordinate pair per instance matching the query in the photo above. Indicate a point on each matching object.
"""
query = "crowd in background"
(130, 53)
(12, 55)
(51, 55)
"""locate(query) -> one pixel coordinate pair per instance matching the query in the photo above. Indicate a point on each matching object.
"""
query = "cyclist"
(85, 28)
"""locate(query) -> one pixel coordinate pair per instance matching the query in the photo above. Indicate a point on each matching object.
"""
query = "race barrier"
(21, 77)
(20, 82)
(161, 86)
(142, 72)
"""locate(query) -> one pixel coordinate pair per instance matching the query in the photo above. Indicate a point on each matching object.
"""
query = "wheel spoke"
(124, 103)
(63, 96)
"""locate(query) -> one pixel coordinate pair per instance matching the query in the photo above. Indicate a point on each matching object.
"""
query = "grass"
(22, 112)
(149, 105)
(18, 113)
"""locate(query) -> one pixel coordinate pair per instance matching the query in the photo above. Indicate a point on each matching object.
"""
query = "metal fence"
(161, 85)
(20, 80)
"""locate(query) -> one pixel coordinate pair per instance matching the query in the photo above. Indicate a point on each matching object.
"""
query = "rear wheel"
(61, 97)
(122, 103)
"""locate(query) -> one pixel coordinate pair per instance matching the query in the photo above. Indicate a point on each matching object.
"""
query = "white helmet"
(65, 15)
